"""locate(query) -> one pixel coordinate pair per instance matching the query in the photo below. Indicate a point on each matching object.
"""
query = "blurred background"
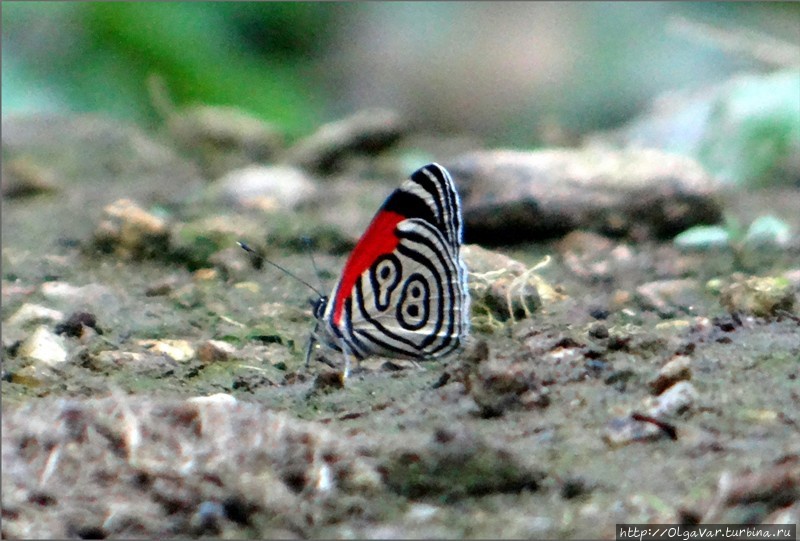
(515, 74)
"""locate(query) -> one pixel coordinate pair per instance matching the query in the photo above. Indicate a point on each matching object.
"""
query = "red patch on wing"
(378, 239)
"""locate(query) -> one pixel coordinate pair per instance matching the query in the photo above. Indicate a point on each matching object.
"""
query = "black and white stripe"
(413, 302)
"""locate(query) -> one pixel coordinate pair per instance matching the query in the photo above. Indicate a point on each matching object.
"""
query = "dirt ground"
(548, 432)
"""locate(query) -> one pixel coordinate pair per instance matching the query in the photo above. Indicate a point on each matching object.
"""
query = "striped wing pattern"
(403, 292)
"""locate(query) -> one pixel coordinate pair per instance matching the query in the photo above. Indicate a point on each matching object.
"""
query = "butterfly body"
(403, 291)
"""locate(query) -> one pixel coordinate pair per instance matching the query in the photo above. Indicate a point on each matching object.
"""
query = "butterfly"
(403, 290)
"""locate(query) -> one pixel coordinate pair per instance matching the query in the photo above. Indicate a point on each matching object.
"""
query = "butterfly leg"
(312, 340)
(346, 352)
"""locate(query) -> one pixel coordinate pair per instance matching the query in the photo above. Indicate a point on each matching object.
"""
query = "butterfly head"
(318, 306)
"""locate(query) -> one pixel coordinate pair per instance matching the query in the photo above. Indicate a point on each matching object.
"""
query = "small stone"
(653, 425)
(515, 196)
(161, 288)
(120, 359)
(535, 399)
(517, 297)
(178, 350)
(599, 331)
(572, 487)
(672, 325)
(327, 381)
(269, 188)
(28, 314)
(668, 296)
(679, 368)
(676, 400)
(22, 177)
(422, 512)
(593, 257)
(624, 430)
(131, 232)
(224, 138)
(77, 325)
(90, 293)
(619, 300)
(43, 346)
(31, 376)
(476, 352)
(503, 288)
(207, 519)
(369, 132)
(214, 399)
(703, 237)
(205, 275)
(213, 351)
(760, 296)
(770, 487)
(761, 415)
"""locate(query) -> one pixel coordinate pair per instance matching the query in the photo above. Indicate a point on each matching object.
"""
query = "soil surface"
(552, 429)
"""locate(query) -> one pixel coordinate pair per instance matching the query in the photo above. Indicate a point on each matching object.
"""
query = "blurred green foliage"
(262, 57)
(527, 74)
(753, 131)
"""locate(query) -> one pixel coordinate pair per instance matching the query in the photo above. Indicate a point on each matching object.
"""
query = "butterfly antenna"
(307, 242)
(247, 248)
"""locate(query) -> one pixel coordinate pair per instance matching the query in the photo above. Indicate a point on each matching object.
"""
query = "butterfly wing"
(403, 291)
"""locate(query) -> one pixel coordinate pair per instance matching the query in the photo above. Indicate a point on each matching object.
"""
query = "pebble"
(591, 255)
(624, 430)
(208, 517)
(178, 350)
(105, 359)
(676, 400)
(130, 232)
(224, 138)
(30, 313)
(517, 196)
(213, 351)
(214, 399)
(679, 368)
(767, 230)
(501, 287)
(511, 297)
(79, 325)
(266, 187)
(90, 293)
(205, 275)
(22, 177)
(668, 296)
(44, 347)
(326, 381)
(422, 512)
(369, 132)
(760, 296)
(599, 331)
